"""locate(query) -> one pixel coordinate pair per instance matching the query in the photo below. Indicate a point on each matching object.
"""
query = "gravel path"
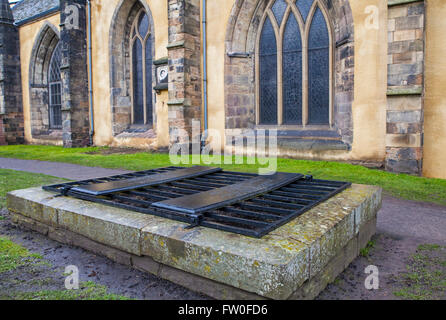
(402, 226)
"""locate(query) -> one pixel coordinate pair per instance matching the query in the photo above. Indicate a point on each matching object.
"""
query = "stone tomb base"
(296, 261)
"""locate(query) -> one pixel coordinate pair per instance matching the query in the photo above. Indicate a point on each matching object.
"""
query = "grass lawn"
(398, 185)
(16, 261)
(425, 278)
(13, 180)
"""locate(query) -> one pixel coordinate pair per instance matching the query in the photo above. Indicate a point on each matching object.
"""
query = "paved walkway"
(57, 169)
(405, 219)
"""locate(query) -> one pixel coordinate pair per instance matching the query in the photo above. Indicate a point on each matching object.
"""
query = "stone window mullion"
(279, 44)
(144, 84)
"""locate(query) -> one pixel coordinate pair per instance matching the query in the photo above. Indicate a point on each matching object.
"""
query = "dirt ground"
(119, 279)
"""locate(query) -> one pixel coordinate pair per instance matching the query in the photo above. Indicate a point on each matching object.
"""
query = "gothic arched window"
(55, 89)
(141, 59)
(294, 59)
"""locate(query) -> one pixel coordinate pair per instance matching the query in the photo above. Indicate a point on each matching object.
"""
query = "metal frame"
(253, 217)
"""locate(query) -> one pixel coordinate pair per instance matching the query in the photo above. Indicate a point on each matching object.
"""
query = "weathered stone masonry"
(75, 100)
(11, 107)
(184, 68)
(406, 34)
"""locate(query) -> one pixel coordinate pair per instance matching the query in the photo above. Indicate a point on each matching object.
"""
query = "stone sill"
(142, 132)
(317, 145)
(161, 61)
(404, 91)
(318, 138)
(391, 3)
(175, 45)
(52, 135)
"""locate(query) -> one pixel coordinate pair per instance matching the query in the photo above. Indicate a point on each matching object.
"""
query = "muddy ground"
(121, 280)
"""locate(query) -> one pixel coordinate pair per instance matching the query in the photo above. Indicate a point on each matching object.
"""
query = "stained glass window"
(138, 83)
(304, 7)
(292, 73)
(268, 75)
(55, 89)
(295, 99)
(318, 71)
(149, 62)
(279, 9)
(142, 70)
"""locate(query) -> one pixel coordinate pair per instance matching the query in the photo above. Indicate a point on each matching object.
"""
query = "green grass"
(365, 252)
(425, 278)
(13, 180)
(397, 185)
(13, 256)
(87, 291)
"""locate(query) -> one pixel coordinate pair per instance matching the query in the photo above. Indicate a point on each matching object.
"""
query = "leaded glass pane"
(279, 9)
(143, 24)
(138, 83)
(55, 89)
(268, 75)
(319, 71)
(304, 7)
(292, 73)
(56, 59)
(149, 80)
(55, 110)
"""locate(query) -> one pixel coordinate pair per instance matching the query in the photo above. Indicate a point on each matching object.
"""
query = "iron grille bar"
(255, 216)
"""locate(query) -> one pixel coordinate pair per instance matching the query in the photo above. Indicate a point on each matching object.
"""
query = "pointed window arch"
(294, 59)
(141, 78)
(45, 88)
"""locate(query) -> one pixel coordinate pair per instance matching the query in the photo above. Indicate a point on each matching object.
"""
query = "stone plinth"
(296, 261)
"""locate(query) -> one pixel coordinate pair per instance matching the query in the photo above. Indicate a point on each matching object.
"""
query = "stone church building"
(340, 80)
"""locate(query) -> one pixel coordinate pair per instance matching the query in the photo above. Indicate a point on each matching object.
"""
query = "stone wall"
(75, 98)
(2, 133)
(11, 107)
(184, 68)
(404, 143)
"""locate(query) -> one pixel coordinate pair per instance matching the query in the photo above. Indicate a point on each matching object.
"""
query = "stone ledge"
(276, 266)
(317, 145)
(392, 3)
(309, 290)
(404, 91)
